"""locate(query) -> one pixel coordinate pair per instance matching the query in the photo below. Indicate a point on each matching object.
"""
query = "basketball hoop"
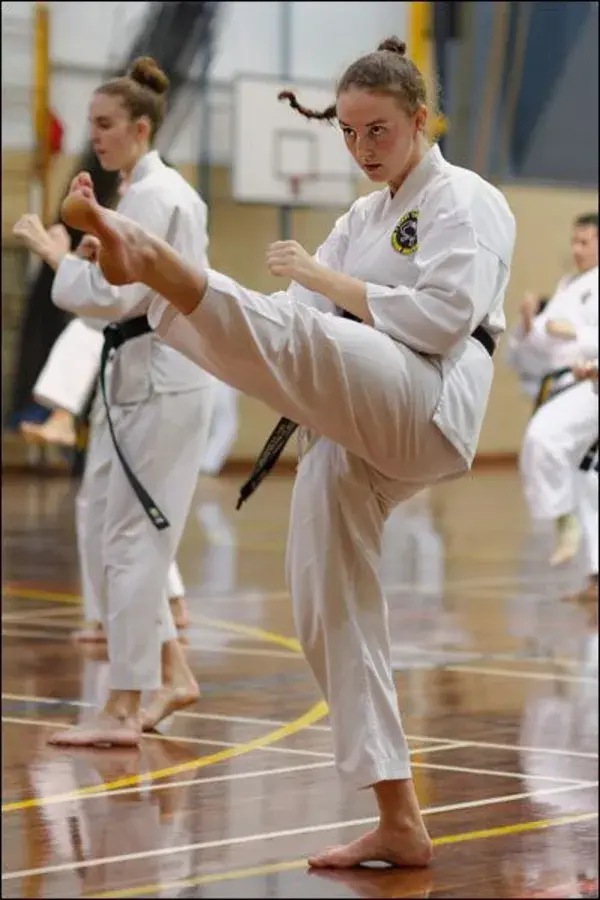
(295, 182)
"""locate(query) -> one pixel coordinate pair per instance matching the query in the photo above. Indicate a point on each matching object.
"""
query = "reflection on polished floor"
(497, 672)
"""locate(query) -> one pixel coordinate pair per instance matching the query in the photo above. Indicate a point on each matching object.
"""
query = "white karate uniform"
(66, 382)
(395, 407)
(588, 499)
(71, 370)
(160, 408)
(561, 431)
(223, 429)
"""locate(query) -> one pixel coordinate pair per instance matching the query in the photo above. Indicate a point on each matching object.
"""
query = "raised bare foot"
(568, 539)
(410, 846)
(179, 609)
(165, 701)
(126, 250)
(101, 731)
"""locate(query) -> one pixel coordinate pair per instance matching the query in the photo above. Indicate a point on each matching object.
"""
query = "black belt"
(115, 335)
(590, 460)
(547, 391)
(285, 428)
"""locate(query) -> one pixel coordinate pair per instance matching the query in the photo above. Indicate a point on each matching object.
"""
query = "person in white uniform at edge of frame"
(589, 370)
(160, 403)
(64, 386)
(563, 427)
(394, 402)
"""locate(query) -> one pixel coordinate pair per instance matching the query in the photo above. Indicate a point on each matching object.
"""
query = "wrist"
(318, 279)
(51, 256)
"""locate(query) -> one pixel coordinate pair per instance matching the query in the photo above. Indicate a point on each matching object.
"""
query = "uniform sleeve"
(456, 281)
(587, 331)
(79, 286)
(587, 341)
(513, 354)
(331, 254)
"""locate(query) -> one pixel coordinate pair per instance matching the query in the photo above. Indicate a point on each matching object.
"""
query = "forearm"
(560, 328)
(345, 291)
(49, 254)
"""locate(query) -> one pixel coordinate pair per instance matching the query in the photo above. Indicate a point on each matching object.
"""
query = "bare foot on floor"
(368, 881)
(397, 847)
(101, 731)
(167, 700)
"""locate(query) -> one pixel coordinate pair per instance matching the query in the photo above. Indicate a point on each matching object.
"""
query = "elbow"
(457, 329)
(59, 300)
(449, 340)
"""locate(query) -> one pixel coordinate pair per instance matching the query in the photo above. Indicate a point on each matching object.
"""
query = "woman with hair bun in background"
(143, 459)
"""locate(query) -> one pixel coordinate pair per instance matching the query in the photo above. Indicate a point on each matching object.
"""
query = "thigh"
(98, 463)
(345, 381)
(162, 440)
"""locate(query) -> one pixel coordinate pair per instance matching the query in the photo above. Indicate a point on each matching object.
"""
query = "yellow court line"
(271, 868)
(318, 711)
(249, 631)
(33, 594)
(223, 624)
(315, 714)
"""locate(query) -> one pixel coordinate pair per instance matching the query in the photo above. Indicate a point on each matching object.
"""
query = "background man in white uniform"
(562, 429)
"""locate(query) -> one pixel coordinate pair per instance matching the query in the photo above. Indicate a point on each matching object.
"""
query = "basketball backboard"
(282, 158)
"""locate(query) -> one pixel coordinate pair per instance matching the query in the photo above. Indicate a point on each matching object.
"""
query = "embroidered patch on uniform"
(405, 239)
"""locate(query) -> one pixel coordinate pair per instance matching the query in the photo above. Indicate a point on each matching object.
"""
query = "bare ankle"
(123, 704)
(398, 803)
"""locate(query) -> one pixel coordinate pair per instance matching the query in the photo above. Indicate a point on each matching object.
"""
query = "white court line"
(520, 673)
(481, 582)
(580, 782)
(451, 743)
(146, 787)
(60, 723)
(268, 836)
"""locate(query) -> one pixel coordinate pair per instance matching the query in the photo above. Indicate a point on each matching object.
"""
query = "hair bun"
(147, 72)
(393, 45)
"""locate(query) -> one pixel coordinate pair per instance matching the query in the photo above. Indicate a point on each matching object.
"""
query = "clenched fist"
(30, 230)
(288, 259)
(89, 248)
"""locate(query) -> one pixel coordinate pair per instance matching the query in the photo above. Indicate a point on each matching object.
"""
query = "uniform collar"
(432, 161)
(148, 163)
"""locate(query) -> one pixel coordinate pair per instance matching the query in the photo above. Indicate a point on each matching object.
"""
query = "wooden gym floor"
(497, 668)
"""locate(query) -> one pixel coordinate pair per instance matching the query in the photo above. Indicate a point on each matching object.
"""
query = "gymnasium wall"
(87, 42)
(239, 235)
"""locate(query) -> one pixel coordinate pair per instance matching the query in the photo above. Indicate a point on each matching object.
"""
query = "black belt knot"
(115, 335)
(285, 428)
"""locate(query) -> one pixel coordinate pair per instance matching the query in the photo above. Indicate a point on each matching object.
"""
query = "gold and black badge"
(405, 239)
